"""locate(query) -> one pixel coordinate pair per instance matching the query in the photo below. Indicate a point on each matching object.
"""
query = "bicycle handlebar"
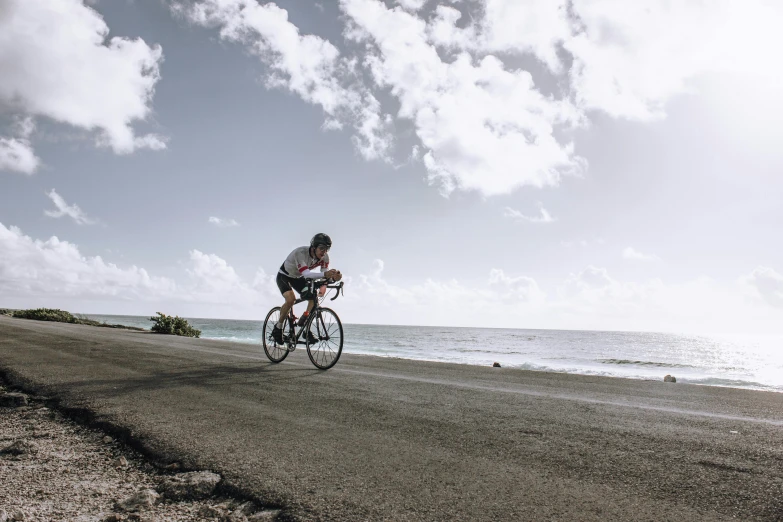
(329, 283)
(339, 287)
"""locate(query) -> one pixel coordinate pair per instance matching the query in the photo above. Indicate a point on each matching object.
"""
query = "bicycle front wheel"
(275, 352)
(326, 344)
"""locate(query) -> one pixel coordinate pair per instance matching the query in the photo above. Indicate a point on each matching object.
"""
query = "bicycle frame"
(312, 285)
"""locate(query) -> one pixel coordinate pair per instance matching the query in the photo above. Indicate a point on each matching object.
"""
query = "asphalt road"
(390, 439)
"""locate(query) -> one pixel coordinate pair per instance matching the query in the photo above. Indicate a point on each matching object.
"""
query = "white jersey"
(300, 263)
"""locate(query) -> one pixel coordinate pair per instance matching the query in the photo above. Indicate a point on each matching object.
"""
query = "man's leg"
(290, 298)
(311, 303)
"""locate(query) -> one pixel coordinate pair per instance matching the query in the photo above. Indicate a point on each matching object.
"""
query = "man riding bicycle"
(296, 270)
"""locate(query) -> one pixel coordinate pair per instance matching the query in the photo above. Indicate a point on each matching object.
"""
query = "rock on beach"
(192, 485)
(20, 447)
(143, 499)
(13, 400)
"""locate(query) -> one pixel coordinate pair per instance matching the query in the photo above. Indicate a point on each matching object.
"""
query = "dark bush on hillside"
(176, 325)
(61, 316)
(46, 314)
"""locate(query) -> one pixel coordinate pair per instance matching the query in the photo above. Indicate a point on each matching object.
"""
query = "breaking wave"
(646, 363)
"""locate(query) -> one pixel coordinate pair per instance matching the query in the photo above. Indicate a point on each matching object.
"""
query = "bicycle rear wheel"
(275, 352)
(328, 330)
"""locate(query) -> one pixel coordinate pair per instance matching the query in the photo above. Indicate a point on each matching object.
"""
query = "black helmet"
(321, 239)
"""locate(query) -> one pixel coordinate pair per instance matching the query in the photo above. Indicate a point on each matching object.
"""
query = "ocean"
(741, 362)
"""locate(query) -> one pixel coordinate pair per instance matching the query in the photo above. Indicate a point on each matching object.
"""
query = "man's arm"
(312, 274)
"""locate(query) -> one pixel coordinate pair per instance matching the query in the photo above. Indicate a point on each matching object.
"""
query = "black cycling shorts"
(286, 283)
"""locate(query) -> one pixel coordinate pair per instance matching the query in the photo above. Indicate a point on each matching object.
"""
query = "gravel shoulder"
(55, 469)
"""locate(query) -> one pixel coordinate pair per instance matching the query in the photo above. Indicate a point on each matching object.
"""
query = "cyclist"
(297, 268)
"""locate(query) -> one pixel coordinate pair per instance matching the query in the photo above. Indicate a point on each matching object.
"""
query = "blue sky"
(570, 164)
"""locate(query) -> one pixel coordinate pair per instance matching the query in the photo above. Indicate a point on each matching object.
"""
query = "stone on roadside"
(18, 515)
(245, 508)
(496, 365)
(264, 516)
(20, 447)
(121, 462)
(193, 485)
(3, 515)
(107, 439)
(145, 498)
(210, 512)
(13, 400)
(88, 518)
(670, 378)
(137, 517)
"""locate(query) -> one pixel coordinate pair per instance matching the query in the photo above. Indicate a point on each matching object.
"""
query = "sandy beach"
(392, 439)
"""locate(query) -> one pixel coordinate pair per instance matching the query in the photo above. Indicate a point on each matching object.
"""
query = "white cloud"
(765, 284)
(211, 280)
(535, 27)
(45, 272)
(632, 253)
(545, 216)
(55, 268)
(482, 122)
(307, 65)
(626, 58)
(588, 300)
(442, 30)
(412, 5)
(484, 127)
(57, 63)
(591, 279)
(63, 209)
(17, 154)
(223, 223)
(214, 280)
(431, 302)
(631, 57)
(515, 289)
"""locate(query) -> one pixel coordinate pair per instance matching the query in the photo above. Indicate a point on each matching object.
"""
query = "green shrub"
(61, 316)
(176, 325)
(46, 314)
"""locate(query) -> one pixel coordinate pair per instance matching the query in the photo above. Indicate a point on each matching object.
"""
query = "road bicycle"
(325, 344)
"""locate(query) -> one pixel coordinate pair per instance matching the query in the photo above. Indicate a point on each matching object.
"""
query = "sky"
(564, 164)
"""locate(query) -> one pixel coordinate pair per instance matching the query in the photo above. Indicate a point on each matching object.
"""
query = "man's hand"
(334, 275)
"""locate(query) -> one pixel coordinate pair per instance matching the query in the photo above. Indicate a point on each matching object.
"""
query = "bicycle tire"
(275, 352)
(326, 326)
